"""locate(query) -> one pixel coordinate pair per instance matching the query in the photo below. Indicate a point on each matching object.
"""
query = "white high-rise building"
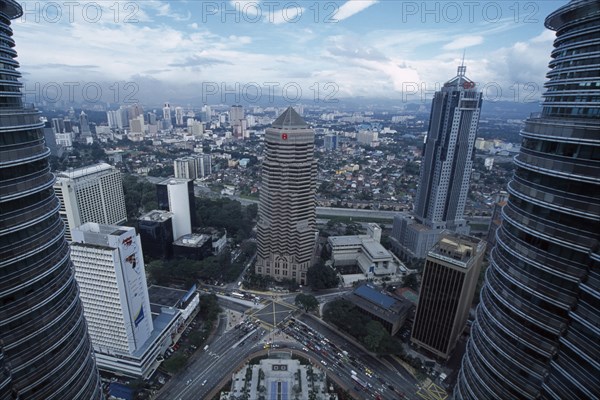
(109, 268)
(177, 196)
(193, 167)
(167, 114)
(179, 116)
(122, 117)
(111, 116)
(90, 194)
(64, 139)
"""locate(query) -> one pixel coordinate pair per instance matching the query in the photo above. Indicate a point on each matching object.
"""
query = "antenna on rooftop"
(462, 68)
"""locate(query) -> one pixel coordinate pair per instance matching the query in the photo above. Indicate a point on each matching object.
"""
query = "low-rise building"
(367, 252)
(193, 246)
(156, 232)
(279, 378)
(389, 310)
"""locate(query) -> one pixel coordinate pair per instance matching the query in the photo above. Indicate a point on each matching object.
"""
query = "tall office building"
(330, 142)
(237, 121)
(445, 169)
(90, 194)
(109, 268)
(45, 350)
(193, 167)
(167, 115)
(286, 230)
(537, 328)
(206, 113)
(177, 196)
(58, 124)
(179, 116)
(449, 280)
(111, 116)
(84, 125)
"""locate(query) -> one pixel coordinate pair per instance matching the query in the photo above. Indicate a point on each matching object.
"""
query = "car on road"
(204, 382)
(323, 362)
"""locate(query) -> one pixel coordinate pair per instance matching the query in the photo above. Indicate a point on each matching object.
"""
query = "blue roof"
(121, 391)
(371, 294)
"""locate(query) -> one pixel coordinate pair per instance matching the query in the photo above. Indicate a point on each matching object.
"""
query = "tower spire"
(462, 67)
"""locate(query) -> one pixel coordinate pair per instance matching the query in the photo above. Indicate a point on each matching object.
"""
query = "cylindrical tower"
(286, 230)
(45, 351)
(537, 331)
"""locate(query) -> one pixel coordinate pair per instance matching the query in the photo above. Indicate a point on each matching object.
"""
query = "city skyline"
(191, 44)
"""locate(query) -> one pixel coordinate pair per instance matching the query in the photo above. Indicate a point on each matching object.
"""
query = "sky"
(304, 51)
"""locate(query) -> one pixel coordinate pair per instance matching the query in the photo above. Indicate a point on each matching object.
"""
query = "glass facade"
(537, 330)
(45, 351)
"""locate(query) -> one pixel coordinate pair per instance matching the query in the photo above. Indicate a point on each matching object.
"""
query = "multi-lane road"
(209, 367)
(228, 349)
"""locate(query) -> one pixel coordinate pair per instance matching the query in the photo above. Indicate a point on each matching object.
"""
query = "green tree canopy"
(320, 276)
(308, 302)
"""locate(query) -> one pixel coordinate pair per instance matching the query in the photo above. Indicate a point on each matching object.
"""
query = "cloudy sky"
(207, 50)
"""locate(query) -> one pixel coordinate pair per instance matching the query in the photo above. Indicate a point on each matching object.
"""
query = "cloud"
(163, 9)
(351, 47)
(352, 7)
(63, 66)
(291, 13)
(240, 39)
(463, 42)
(199, 61)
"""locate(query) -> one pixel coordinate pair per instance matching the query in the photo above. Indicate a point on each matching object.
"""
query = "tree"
(307, 301)
(175, 363)
(196, 338)
(375, 335)
(320, 276)
(325, 252)
(411, 281)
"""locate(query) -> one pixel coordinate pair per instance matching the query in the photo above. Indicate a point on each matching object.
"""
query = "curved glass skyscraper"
(45, 351)
(537, 331)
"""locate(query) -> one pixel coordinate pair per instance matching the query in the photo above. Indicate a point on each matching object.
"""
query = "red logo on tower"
(284, 136)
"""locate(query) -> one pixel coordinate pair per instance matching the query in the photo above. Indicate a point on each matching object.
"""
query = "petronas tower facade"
(45, 351)
(537, 330)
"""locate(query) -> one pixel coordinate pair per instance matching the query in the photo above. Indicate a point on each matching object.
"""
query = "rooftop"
(174, 181)
(156, 215)
(289, 119)
(81, 172)
(193, 240)
(457, 247)
(389, 308)
(165, 296)
(373, 295)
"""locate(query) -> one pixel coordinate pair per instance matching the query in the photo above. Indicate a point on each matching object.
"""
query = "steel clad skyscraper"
(445, 169)
(537, 328)
(45, 351)
(286, 214)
